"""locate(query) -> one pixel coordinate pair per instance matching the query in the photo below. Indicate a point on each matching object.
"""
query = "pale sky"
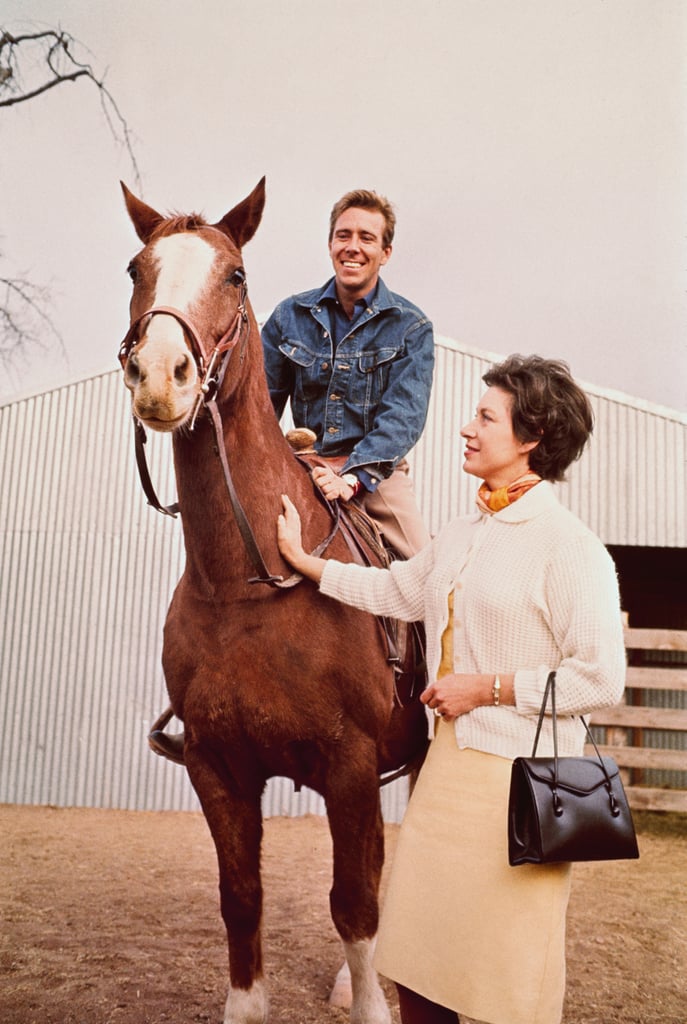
(535, 150)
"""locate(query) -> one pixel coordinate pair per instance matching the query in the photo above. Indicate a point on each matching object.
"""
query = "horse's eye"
(238, 277)
(132, 272)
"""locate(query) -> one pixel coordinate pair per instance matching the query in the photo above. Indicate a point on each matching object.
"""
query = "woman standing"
(507, 595)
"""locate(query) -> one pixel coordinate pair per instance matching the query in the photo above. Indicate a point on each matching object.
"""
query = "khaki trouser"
(394, 510)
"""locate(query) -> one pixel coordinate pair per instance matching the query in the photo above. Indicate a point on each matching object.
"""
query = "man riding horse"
(355, 361)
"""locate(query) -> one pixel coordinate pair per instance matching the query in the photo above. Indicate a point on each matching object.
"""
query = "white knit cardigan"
(535, 590)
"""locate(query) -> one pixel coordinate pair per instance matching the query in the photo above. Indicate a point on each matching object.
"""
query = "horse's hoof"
(171, 747)
(341, 994)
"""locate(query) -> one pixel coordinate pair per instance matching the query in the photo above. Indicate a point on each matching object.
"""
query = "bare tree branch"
(24, 321)
(41, 88)
(31, 64)
(48, 55)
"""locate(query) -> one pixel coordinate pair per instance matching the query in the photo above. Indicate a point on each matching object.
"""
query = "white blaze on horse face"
(184, 263)
(164, 380)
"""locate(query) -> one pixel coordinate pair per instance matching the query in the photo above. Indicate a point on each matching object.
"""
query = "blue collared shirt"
(365, 397)
(340, 321)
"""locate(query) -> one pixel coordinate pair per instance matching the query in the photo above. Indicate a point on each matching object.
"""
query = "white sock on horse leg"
(247, 1006)
(369, 1004)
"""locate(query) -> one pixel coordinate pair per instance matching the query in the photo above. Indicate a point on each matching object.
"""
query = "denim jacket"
(369, 399)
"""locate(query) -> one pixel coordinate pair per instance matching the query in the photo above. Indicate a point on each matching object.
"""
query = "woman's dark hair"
(549, 407)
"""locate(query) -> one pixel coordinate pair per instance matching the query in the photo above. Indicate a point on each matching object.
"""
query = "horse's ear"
(144, 218)
(241, 223)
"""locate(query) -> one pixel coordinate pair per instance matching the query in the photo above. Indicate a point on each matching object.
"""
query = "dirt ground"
(110, 916)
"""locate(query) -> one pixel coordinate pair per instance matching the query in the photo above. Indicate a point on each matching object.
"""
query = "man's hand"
(331, 484)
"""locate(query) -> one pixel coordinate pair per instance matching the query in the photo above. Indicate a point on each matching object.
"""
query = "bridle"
(211, 372)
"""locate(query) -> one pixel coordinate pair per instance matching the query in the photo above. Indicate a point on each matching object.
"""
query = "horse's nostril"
(133, 371)
(182, 370)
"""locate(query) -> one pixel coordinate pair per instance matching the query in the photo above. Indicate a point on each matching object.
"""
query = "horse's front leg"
(355, 821)
(236, 828)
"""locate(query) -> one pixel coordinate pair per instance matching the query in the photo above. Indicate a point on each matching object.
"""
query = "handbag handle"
(557, 807)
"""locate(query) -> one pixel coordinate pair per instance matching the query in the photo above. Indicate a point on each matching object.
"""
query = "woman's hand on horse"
(289, 532)
(291, 545)
(331, 484)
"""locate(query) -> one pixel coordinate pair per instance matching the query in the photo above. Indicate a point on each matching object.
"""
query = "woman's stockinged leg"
(415, 1009)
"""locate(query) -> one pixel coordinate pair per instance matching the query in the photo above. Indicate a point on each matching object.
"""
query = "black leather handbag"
(567, 808)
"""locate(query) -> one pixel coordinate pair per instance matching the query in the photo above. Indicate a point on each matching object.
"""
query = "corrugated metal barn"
(87, 571)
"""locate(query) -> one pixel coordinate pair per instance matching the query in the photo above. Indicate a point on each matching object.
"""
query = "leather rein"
(211, 372)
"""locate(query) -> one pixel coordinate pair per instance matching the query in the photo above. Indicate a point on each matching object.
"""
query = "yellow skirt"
(459, 925)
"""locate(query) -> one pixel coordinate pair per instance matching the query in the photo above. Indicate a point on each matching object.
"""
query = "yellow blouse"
(446, 663)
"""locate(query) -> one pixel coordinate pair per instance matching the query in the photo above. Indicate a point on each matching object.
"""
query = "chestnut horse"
(268, 680)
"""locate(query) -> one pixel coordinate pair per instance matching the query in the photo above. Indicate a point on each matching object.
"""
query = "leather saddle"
(405, 642)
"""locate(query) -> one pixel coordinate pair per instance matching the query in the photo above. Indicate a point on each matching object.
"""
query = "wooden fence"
(656, 675)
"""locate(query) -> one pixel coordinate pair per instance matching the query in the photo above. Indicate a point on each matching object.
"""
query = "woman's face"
(492, 451)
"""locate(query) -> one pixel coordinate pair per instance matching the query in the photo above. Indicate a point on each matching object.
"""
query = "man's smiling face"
(357, 251)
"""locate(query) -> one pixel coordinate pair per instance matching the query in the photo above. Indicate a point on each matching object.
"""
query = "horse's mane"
(178, 222)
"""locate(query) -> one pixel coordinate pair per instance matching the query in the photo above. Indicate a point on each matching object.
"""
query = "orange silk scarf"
(493, 501)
